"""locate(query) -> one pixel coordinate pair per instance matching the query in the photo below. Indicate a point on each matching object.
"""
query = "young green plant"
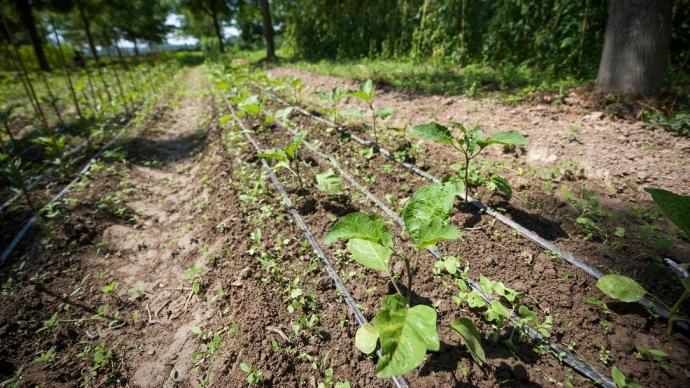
(366, 94)
(333, 99)
(405, 332)
(288, 156)
(470, 145)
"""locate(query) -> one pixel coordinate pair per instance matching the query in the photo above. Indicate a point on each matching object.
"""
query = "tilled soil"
(153, 277)
(177, 265)
(491, 249)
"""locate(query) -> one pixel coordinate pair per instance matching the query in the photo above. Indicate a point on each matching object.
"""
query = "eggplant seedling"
(366, 94)
(471, 144)
(405, 332)
(333, 99)
(288, 156)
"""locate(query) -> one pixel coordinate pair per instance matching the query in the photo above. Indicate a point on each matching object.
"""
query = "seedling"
(49, 324)
(253, 375)
(405, 332)
(470, 145)
(366, 94)
(55, 146)
(287, 157)
(333, 99)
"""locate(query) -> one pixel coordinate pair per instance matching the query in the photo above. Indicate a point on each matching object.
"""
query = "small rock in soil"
(246, 273)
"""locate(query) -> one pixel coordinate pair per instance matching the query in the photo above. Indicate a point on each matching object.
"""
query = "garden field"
(406, 193)
(203, 245)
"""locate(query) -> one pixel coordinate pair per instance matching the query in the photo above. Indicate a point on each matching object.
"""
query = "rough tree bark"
(635, 46)
(29, 22)
(268, 31)
(87, 30)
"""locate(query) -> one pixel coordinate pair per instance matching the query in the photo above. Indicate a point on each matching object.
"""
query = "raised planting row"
(48, 201)
(673, 293)
(202, 279)
(28, 155)
(605, 336)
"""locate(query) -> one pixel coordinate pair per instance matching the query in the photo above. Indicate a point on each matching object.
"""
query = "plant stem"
(676, 308)
(299, 176)
(467, 177)
(373, 115)
(408, 268)
(394, 283)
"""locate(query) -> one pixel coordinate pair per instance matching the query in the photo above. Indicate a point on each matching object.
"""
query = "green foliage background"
(558, 36)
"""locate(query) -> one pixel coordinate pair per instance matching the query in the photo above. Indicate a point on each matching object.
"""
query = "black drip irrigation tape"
(18, 238)
(560, 352)
(565, 255)
(340, 286)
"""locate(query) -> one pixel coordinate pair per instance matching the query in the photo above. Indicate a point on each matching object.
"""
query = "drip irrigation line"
(531, 235)
(560, 352)
(399, 382)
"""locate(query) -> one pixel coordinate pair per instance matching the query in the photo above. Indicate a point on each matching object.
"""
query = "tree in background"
(635, 46)
(268, 31)
(29, 22)
(196, 13)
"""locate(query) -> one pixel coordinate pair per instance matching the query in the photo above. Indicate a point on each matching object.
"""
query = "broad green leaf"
(676, 207)
(470, 337)
(365, 92)
(406, 335)
(502, 185)
(251, 105)
(275, 154)
(475, 300)
(362, 226)
(328, 182)
(618, 377)
(294, 146)
(496, 312)
(370, 254)
(366, 338)
(435, 232)
(433, 131)
(504, 138)
(621, 288)
(430, 202)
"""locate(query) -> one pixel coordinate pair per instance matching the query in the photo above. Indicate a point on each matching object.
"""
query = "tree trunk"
(635, 46)
(136, 47)
(216, 24)
(268, 31)
(87, 31)
(30, 24)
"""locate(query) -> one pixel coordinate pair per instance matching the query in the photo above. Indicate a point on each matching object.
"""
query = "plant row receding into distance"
(406, 332)
(469, 146)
